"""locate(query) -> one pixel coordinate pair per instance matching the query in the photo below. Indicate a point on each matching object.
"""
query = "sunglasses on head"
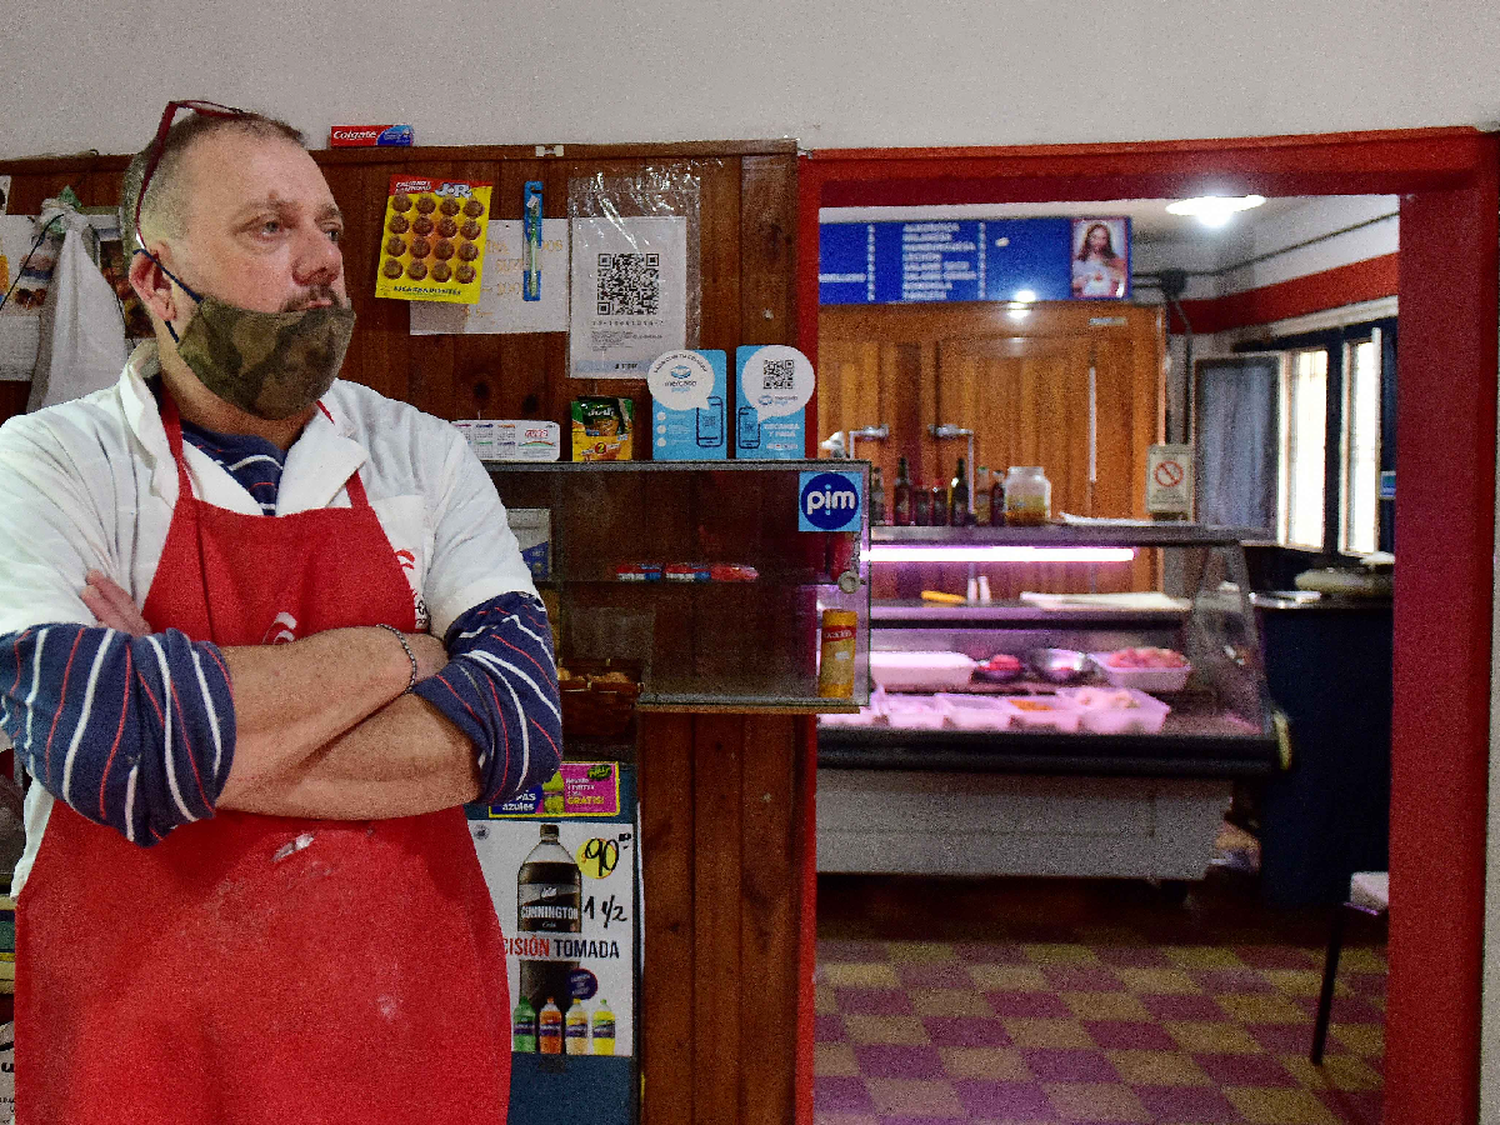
(158, 146)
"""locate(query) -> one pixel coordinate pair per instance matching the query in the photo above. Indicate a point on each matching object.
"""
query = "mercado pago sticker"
(830, 502)
(433, 240)
(687, 406)
(773, 386)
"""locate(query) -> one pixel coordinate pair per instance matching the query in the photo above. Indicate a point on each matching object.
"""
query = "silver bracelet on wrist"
(406, 648)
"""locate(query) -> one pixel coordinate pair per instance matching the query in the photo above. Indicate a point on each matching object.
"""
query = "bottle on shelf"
(940, 505)
(877, 497)
(982, 496)
(921, 505)
(997, 499)
(958, 493)
(901, 513)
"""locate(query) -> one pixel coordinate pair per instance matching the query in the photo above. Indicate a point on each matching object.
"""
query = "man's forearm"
(404, 760)
(292, 700)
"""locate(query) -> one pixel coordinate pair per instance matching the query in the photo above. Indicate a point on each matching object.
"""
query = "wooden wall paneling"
(13, 396)
(770, 920)
(768, 249)
(668, 831)
(473, 364)
(720, 222)
(532, 376)
(378, 353)
(29, 189)
(719, 989)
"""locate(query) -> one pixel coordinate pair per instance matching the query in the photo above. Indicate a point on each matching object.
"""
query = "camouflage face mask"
(272, 365)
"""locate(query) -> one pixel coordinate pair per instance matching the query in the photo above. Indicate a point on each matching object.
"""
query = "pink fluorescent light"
(978, 553)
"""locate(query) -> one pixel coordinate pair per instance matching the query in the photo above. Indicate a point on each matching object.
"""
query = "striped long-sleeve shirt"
(138, 733)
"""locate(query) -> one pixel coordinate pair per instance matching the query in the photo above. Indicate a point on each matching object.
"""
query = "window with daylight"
(1359, 531)
(1304, 448)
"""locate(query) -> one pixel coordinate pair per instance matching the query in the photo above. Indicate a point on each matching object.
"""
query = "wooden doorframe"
(1449, 181)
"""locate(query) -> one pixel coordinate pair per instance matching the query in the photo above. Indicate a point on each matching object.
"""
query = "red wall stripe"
(1328, 289)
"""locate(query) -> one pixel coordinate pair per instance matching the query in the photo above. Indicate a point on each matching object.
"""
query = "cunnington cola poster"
(561, 862)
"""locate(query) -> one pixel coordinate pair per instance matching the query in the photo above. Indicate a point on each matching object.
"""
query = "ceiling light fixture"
(1214, 210)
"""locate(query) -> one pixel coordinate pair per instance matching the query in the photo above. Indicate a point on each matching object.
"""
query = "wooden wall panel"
(768, 251)
(719, 987)
(769, 921)
(1022, 386)
(747, 248)
(668, 827)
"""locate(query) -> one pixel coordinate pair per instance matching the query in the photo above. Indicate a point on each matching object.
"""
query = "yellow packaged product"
(432, 242)
(602, 428)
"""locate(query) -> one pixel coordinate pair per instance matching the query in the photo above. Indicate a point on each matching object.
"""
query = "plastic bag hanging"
(82, 347)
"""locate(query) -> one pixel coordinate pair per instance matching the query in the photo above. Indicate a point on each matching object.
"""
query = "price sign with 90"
(598, 857)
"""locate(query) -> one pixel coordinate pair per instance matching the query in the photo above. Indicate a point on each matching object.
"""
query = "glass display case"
(1219, 722)
(692, 577)
(1087, 719)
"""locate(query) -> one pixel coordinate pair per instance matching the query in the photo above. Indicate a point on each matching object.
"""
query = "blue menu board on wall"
(946, 260)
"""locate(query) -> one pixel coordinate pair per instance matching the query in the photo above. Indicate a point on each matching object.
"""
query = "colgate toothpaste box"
(359, 136)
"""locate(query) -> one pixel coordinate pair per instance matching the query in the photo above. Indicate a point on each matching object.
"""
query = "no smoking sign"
(1169, 480)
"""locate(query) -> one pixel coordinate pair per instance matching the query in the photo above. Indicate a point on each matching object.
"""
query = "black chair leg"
(1330, 974)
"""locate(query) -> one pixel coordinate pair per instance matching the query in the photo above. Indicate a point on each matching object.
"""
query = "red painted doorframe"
(1449, 180)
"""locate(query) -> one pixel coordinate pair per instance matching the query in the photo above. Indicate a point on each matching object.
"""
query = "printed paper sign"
(1169, 479)
(629, 294)
(564, 891)
(502, 305)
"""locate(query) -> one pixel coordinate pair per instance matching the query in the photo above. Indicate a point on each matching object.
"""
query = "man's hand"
(111, 605)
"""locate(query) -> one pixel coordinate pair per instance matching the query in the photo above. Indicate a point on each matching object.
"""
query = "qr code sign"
(629, 285)
(781, 375)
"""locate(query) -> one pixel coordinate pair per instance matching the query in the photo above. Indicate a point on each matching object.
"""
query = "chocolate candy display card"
(432, 246)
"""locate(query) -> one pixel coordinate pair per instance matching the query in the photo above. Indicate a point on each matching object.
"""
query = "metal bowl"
(999, 676)
(1059, 665)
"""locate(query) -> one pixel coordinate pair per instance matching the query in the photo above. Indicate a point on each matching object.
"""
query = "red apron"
(255, 969)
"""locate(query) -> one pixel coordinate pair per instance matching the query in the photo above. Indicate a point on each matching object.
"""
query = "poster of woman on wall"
(1101, 258)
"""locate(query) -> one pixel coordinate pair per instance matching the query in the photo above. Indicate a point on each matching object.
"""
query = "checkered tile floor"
(1102, 1030)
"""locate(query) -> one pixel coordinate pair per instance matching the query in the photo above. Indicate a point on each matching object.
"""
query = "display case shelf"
(722, 645)
(1222, 726)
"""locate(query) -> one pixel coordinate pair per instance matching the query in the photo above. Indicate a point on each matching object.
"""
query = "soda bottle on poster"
(549, 900)
(523, 1028)
(576, 1030)
(549, 1033)
(604, 1029)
